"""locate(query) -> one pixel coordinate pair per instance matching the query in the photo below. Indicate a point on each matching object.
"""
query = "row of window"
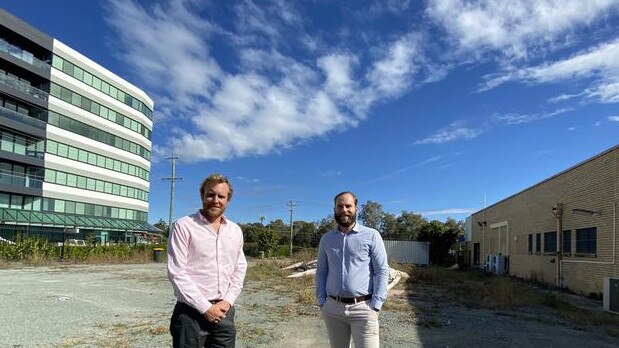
(15, 201)
(20, 144)
(76, 154)
(97, 109)
(82, 182)
(586, 241)
(22, 85)
(97, 134)
(100, 85)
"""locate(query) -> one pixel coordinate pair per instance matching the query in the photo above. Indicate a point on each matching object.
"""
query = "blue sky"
(423, 106)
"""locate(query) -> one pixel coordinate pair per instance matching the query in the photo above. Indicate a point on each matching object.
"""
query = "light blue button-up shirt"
(352, 265)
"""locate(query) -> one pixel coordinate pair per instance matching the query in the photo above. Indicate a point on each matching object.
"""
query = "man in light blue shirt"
(351, 278)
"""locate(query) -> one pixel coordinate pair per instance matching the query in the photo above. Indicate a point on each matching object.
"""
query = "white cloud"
(513, 119)
(331, 173)
(600, 63)
(613, 118)
(455, 131)
(394, 71)
(448, 211)
(514, 28)
(258, 97)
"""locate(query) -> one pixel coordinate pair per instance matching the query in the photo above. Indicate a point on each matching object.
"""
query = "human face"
(345, 211)
(215, 201)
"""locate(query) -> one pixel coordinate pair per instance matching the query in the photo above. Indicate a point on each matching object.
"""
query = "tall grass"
(37, 251)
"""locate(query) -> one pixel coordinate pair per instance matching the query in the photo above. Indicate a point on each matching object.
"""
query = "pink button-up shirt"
(205, 265)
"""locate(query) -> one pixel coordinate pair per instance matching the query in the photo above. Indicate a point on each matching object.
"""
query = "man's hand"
(217, 312)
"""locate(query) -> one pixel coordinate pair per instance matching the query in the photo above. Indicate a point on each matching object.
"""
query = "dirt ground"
(129, 306)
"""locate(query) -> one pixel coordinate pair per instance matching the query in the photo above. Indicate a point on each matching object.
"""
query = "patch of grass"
(396, 304)
(72, 342)
(159, 330)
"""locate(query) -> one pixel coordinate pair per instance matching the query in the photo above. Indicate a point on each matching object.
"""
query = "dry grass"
(478, 290)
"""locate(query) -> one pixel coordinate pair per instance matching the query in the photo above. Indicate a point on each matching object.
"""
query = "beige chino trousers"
(344, 321)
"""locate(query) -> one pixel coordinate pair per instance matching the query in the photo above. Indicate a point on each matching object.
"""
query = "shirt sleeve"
(238, 274)
(380, 278)
(322, 269)
(185, 288)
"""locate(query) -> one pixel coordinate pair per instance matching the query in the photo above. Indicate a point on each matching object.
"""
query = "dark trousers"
(190, 329)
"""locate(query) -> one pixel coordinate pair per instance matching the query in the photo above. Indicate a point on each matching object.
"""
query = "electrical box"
(611, 294)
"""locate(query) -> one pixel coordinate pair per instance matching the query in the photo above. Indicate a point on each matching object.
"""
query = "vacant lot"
(130, 305)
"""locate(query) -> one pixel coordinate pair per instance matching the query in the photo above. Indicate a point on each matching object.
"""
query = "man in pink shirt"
(206, 267)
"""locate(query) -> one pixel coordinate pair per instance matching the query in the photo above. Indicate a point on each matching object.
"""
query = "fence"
(406, 251)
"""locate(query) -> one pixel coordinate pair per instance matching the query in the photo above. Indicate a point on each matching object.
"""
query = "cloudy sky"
(425, 106)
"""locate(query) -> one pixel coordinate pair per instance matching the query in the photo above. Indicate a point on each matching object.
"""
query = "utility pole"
(291, 205)
(172, 179)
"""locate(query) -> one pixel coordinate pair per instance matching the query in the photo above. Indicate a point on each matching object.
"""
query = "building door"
(476, 254)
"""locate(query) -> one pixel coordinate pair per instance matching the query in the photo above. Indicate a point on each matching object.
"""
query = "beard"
(345, 220)
(212, 212)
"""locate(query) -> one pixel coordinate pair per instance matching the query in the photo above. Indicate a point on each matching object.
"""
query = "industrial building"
(561, 231)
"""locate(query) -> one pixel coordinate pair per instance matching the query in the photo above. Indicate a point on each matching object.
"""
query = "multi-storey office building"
(75, 141)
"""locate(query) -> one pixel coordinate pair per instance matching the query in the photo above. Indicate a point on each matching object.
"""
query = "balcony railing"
(21, 180)
(23, 87)
(35, 120)
(22, 54)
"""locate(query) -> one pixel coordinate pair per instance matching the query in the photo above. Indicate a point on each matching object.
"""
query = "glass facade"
(97, 134)
(97, 109)
(101, 85)
(86, 183)
(77, 154)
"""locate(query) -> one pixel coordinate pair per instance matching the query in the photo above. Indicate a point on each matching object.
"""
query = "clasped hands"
(217, 312)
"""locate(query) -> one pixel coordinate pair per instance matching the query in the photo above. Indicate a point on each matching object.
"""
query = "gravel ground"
(130, 305)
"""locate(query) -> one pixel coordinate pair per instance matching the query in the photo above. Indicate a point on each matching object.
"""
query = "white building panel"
(92, 197)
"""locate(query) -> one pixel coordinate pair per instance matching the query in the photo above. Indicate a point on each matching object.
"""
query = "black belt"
(351, 299)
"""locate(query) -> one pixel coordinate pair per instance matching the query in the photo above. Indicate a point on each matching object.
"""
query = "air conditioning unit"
(611, 294)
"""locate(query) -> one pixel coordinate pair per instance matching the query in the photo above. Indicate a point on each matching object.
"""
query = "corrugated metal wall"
(406, 251)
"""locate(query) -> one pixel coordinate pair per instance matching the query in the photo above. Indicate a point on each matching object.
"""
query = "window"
(567, 242)
(538, 242)
(550, 242)
(530, 243)
(586, 240)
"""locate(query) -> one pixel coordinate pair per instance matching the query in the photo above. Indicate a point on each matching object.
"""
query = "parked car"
(75, 242)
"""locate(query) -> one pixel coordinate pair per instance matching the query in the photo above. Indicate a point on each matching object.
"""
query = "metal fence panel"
(406, 251)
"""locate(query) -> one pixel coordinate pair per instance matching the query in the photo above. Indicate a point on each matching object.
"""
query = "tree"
(441, 238)
(251, 231)
(304, 233)
(267, 240)
(163, 226)
(390, 226)
(408, 225)
(372, 215)
(323, 226)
